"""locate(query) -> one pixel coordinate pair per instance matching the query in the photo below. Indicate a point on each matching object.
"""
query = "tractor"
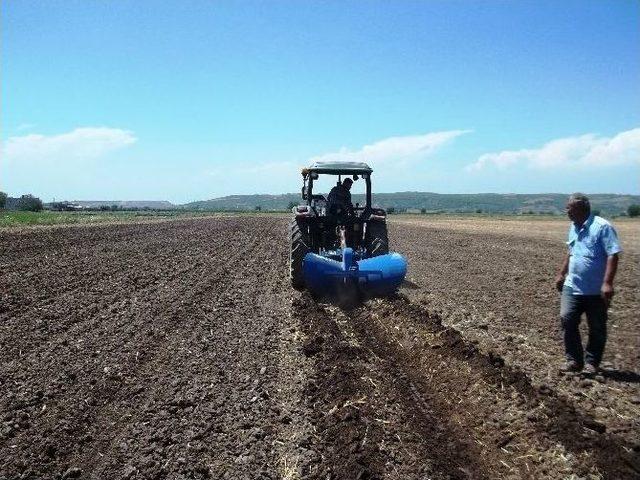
(341, 249)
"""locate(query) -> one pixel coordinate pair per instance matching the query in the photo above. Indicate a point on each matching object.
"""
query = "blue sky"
(192, 100)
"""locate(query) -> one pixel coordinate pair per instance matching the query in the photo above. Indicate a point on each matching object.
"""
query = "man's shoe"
(590, 369)
(571, 366)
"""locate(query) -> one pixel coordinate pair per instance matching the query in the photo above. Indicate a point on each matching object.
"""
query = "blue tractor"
(337, 251)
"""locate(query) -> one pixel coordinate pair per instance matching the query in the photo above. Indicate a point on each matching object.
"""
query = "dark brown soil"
(178, 350)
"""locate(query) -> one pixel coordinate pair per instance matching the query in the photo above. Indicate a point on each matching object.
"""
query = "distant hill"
(151, 204)
(246, 202)
(552, 203)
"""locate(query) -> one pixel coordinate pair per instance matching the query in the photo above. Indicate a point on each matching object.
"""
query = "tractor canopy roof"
(338, 168)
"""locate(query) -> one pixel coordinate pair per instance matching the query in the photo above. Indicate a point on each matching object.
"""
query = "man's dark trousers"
(571, 309)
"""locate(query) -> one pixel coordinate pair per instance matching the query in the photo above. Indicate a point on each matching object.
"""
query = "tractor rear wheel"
(300, 246)
(376, 239)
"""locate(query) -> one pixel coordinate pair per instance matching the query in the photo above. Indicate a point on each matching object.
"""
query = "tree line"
(32, 203)
(28, 202)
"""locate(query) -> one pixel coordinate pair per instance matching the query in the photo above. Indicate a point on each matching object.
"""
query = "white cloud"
(79, 144)
(25, 126)
(272, 168)
(582, 151)
(267, 168)
(250, 178)
(394, 148)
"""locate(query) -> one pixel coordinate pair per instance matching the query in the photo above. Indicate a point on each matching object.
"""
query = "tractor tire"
(376, 239)
(300, 246)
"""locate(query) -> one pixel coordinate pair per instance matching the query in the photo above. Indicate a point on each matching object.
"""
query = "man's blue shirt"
(589, 247)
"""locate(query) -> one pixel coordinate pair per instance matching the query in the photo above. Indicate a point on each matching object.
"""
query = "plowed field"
(178, 350)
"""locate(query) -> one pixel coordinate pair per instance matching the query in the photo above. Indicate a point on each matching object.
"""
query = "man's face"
(575, 212)
(347, 185)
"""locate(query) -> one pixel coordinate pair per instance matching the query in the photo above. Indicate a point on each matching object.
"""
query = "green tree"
(30, 203)
(633, 210)
(292, 205)
(3, 199)
(258, 208)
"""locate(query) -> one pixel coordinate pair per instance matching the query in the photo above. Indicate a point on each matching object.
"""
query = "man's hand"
(607, 293)
(562, 273)
(607, 285)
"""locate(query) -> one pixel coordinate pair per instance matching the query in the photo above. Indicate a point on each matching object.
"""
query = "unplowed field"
(178, 350)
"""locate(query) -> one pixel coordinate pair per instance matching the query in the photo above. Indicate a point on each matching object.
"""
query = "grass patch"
(10, 218)
(16, 218)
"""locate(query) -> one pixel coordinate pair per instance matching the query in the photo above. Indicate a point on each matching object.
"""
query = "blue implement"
(375, 276)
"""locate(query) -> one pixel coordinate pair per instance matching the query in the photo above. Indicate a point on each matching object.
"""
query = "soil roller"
(342, 252)
(324, 275)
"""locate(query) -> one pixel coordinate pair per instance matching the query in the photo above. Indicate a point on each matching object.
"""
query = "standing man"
(586, 282)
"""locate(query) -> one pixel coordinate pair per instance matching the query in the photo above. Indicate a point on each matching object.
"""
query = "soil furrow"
(436, 357)
(199, 321)
(141, 341)
(179, 350)
(347, 434)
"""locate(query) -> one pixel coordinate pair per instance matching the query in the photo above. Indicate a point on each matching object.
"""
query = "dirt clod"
(73, 472)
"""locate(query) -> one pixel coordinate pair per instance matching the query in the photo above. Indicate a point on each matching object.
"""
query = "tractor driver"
(339, 200)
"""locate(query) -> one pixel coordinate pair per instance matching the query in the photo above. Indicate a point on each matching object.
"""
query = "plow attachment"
(325, 275)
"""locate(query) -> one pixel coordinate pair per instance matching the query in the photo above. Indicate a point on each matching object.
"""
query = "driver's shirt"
(340, 197)
(589, 246)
